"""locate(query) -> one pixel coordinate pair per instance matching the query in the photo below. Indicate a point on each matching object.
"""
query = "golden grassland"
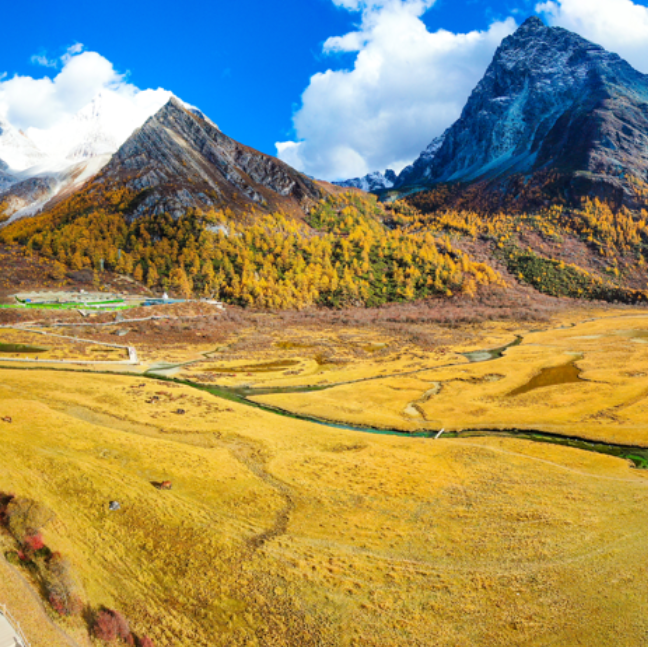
(607, 403)
(329, 356)
(284, 532)
(55, 346)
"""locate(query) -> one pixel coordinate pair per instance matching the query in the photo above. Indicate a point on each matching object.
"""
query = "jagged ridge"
(179, 160)
(550, 100)
(372, 182)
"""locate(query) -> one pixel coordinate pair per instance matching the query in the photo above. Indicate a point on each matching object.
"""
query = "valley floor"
(283, 531)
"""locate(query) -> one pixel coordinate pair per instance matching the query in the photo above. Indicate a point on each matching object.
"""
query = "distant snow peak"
(17, 151)
(38, 165)
(100, 127)
(376, 181)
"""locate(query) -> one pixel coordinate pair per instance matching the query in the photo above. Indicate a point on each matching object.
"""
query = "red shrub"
(34, 542)
(111, 625)
(61, 586)
(145, 641)
(65, 605)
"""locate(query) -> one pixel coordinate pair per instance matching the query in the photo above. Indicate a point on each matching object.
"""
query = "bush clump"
(60, 586)
(26, 517)
(110, 626)
(13, 558)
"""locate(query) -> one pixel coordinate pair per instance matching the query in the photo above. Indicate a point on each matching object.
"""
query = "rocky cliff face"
(179, 159)
(550, 100)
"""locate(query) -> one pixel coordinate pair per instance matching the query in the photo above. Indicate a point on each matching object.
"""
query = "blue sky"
(247, 64)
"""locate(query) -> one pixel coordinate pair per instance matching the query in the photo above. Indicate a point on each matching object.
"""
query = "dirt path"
(39, 629)
(254, 458)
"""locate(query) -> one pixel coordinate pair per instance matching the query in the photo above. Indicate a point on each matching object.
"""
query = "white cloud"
(87, 108)
(26, 101)
(416, 6)
(620, 26)
(42, 60)
(406, 87)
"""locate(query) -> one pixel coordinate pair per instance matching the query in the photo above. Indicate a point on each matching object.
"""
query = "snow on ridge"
(74, 150)
(64, 179)
(17, 151)
(375, 181)
(101, 127)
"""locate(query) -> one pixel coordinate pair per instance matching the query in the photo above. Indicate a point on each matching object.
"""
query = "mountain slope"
(550, 101)
(36, 189)
(180, 160)
(42, 165)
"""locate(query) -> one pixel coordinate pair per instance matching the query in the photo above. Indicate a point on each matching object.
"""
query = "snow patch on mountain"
(99, 128)
(524, 113)
(40, 164)
(376, 181)
(32, 190)
(423, 163)
(17, 150)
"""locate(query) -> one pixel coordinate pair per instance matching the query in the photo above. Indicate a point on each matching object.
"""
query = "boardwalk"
(9, 636)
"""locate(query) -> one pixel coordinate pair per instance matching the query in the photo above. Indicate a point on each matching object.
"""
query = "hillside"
(539, 183)
(180, 160)
(342, 255)
(591, 252)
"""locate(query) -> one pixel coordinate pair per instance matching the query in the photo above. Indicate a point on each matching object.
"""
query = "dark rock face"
(550, 100)
(179, 160)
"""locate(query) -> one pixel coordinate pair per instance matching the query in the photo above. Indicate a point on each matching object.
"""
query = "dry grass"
(609, 403)
(281, 532)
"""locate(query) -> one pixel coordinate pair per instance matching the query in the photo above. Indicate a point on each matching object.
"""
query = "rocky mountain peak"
(180, 160)
(376, 181)
(550, 99)
(533, 23)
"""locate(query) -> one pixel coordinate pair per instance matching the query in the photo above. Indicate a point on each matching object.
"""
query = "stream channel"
(635, 454)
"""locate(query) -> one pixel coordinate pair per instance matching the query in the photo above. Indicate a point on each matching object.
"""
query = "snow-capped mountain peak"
(38, 165)
(100, 127)
(17, 151)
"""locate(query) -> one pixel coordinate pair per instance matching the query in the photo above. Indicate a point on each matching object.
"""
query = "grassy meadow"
(531, 387)
(282, 532)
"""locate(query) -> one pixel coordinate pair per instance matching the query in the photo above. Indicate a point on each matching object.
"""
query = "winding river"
(242, 395)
